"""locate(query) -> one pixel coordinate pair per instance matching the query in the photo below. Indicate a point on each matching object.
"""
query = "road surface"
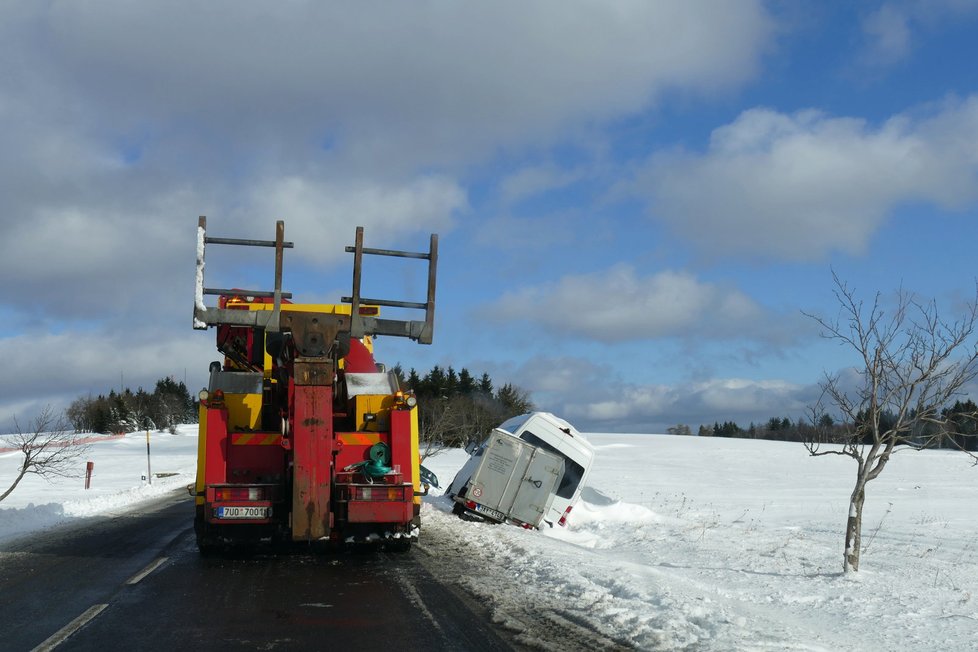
(134, 581)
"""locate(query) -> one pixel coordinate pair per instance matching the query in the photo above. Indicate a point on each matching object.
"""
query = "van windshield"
(515, 423)
(573, 472)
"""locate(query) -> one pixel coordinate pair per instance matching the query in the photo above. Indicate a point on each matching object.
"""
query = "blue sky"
(636, 201)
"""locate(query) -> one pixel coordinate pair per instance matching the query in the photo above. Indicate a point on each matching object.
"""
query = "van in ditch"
(545, 433)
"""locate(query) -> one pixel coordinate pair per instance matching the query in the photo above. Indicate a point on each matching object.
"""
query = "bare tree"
(906, 374)
(50, 448)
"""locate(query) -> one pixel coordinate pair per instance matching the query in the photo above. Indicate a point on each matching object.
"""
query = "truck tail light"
(563, 519)
(379, 492)
(470, 504)
(239, 493)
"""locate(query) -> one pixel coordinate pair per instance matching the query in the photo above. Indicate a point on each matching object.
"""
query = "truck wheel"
(398, 545)
(206, 549)
(205, 542)
(457, 509)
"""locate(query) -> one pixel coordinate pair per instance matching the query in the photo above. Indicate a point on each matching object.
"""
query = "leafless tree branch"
(50, 448)
(911, 367)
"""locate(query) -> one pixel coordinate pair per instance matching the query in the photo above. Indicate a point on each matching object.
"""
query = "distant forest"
(963, 433)
(454, 407)
(169, 404)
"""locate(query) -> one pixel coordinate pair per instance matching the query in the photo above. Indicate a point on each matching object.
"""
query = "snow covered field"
(117, 480)
(681, 543)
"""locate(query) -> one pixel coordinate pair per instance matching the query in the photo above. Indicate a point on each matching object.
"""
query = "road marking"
(62, 634)
(146, 571)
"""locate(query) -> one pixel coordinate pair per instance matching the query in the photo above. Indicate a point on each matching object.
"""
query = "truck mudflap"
(375, 512)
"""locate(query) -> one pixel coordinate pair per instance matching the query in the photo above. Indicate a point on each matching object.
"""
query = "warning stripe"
(255, 439)
(359, 438)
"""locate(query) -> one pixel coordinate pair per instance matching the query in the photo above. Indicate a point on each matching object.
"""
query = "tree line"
(456, 408)
(169, 404)
(957, 429)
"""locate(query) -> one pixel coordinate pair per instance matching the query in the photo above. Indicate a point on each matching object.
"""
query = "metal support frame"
(274, 321)
(204, 316)
(421, 331)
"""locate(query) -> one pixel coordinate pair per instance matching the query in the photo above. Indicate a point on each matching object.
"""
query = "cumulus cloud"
(595, 397)
(642, 407)
(127, 122)
(533, 180)
(55, 368)
(797, 186)
(321, 212)
(618, 304)
(132, 120)
(423, 82)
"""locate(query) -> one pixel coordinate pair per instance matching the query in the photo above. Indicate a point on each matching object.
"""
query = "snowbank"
(679, 543)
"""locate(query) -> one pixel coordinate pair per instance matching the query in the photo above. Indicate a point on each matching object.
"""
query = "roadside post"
(149, 470)
(89, 467)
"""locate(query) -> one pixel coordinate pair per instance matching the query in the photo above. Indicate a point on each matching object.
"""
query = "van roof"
(576, 440)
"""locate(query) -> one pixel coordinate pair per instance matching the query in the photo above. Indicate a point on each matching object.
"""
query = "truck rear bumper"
(378, 511)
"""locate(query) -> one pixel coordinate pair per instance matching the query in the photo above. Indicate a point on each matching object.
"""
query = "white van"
(550, 433)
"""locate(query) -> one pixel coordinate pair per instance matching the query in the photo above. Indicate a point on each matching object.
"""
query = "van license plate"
(490, 512)
(244, 512)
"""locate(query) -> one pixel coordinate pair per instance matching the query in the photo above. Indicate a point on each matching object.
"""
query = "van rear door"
(536, 490)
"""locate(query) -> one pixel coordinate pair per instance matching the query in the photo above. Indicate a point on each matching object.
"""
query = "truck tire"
(206, 545)
(398, 545)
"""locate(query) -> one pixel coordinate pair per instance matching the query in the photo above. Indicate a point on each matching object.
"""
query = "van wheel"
(457, 509)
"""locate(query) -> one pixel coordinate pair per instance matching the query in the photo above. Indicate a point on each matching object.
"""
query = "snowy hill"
(680, 543)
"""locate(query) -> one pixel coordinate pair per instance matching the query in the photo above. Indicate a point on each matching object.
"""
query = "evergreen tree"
(485, 385)
(414, 381)
(515, 400)
(466, 383)
(451, 382)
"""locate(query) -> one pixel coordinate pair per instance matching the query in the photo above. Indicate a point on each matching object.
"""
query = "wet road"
(136, 582)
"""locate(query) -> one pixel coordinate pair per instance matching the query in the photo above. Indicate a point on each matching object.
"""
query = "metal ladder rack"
(362, 324)
(204, 316)
(358, 324)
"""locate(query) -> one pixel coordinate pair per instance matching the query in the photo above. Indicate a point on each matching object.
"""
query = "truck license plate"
(244, 512)
(490, 512)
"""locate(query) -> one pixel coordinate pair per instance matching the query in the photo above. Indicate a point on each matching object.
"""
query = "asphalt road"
(135, 582)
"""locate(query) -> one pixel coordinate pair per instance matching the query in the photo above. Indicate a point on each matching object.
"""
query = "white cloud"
(618, 305)
(798, 186)
(533, 180)
(725, 399)
(55, 368)
(322, 213)
(422, 82)
(133, 120)
(595, 398)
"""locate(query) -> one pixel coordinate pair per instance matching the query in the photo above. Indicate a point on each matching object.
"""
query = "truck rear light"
(239, 493)
(470, 504)
(563, 519)
(379, 493)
